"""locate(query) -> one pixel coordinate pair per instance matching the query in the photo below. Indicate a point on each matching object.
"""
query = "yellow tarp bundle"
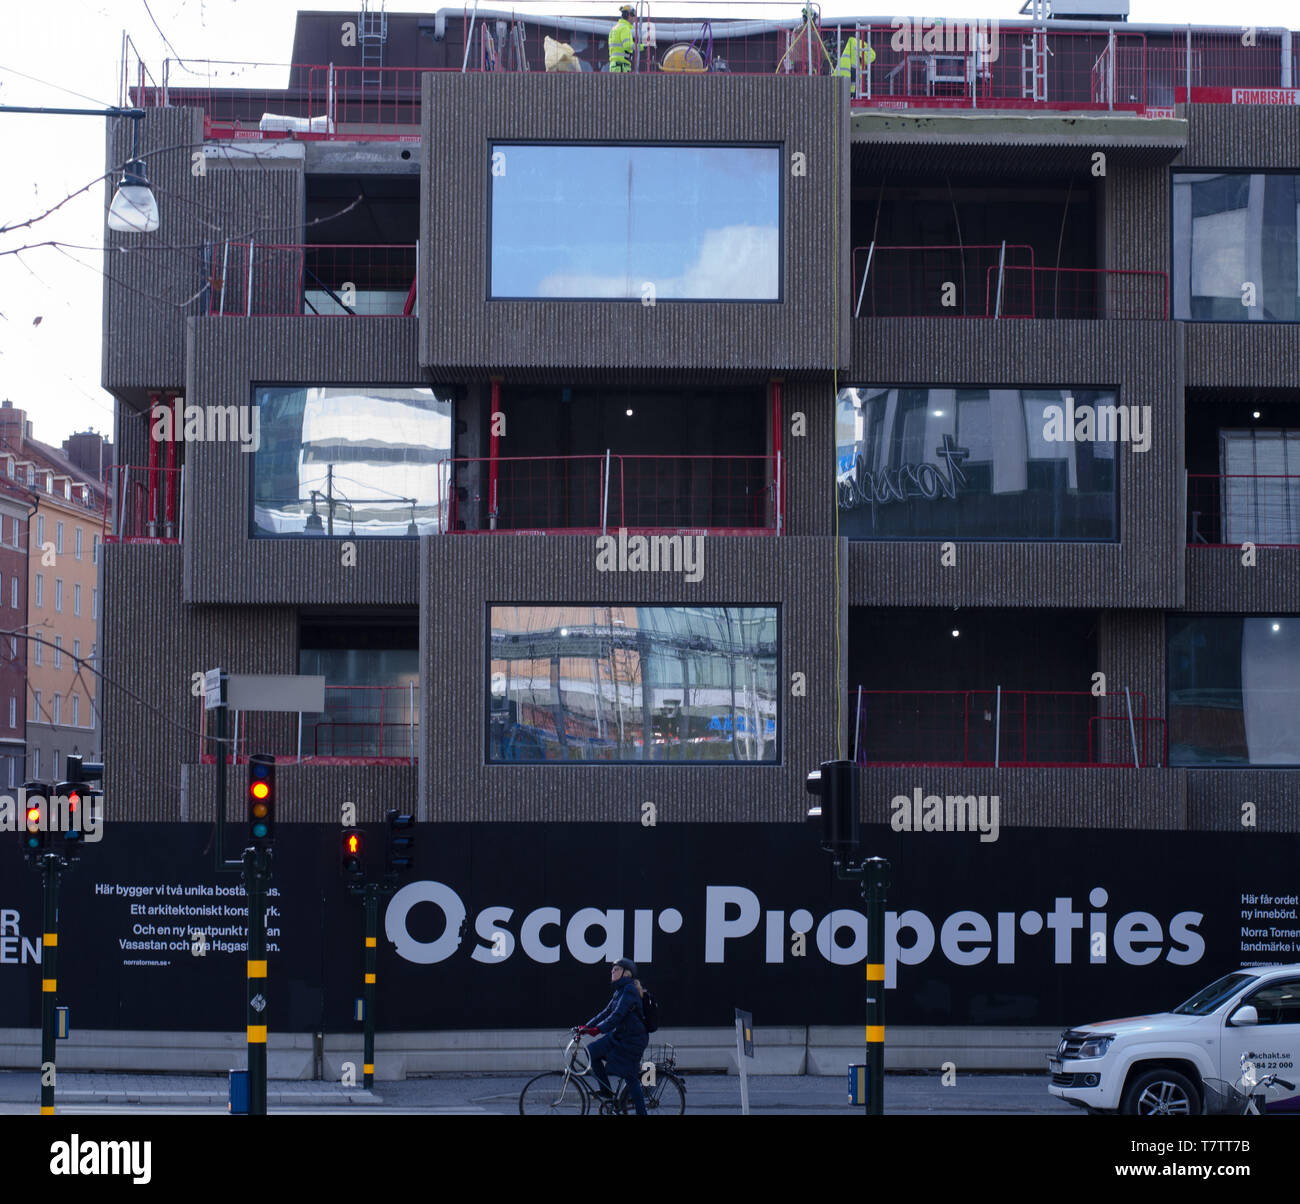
(560, 56)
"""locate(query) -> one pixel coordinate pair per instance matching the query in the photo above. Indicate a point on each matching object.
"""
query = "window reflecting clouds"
(696, 222)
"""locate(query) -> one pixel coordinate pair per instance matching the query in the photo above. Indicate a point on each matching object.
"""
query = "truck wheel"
(1161, 1093)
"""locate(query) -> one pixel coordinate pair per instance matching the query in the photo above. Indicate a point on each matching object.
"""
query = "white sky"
(51, 368)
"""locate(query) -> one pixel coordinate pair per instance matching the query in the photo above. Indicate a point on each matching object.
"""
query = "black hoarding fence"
(511, 926)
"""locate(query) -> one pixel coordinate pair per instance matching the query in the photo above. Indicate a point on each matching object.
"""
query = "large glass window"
(1237, 247)
(1234, 690)
(350, 461)
(986, 464)
(595, 222)
(633, 683)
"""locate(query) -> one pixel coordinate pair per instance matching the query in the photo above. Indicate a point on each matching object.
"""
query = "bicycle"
(1247, 1097)
(567, 1092)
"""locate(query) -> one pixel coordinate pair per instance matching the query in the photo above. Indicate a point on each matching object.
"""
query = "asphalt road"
(706, 1095)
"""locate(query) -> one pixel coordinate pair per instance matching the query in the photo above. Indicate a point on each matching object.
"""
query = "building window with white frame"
(94, 602)
(36, 651)
(58, 652)
(56, 711)
(13, 712)
(36, 703)
(58, 595)
(40, 590)
(40, 528)
(58, 538)
(76, 543)
(76, 710)
(36, 763)
(13, 592)
(76, 599)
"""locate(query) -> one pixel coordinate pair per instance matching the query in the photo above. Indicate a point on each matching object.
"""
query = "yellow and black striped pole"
(50, 866)
(875, 871)
(255, 867)
(372, 948)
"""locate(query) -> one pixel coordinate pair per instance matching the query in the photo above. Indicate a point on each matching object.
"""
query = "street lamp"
(134, 209)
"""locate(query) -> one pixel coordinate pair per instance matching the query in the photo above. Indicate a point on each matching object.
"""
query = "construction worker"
(852, 66)
(622, 40)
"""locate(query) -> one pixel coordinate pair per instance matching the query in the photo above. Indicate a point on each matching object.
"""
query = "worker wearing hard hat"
(852, 65)
(622, 40)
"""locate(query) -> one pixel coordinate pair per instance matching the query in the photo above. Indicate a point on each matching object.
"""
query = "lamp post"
(134, 209)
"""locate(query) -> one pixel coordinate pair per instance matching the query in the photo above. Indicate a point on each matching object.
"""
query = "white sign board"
(211, 689)
(275, 692)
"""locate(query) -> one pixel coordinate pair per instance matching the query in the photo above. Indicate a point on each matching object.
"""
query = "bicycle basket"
(1223, 1099)
(663, 1056)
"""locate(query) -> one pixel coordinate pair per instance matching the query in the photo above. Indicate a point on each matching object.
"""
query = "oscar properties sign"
(511, 925)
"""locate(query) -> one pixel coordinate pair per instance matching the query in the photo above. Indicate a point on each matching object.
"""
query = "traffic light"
(35, 828)
(261, 800)
(400, 854)
(836, 785)
(352, 855)
(75, 797)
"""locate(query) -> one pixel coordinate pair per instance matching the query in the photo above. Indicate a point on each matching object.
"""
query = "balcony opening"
(601, 457)
(977, 248)
(356, 257)
(989, 687)
(1243, 469)
(370, 663)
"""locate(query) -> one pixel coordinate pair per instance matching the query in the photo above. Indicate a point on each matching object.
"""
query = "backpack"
(650, 1012)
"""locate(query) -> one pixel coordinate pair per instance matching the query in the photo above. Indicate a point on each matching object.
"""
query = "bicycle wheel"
(666, 1098)
(553, 1094)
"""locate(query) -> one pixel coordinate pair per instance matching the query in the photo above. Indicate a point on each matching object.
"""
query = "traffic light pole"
(873, 877)
(256, 871)
(51, 867)
(219, 749)
(372, 950)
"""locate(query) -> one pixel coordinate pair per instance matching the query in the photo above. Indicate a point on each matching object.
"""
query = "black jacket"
(623, 1021)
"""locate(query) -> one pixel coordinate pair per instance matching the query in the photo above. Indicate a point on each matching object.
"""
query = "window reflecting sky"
(603, 221)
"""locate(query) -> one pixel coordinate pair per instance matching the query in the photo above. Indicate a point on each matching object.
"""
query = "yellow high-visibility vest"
(851, 58)
(621, 44)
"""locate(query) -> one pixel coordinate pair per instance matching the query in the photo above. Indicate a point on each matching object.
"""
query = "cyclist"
(620, 1034)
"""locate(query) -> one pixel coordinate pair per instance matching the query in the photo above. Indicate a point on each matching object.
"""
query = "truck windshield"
(1206, 1000)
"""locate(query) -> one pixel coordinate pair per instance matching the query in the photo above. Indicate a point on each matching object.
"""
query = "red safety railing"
(939, 281)
(977, 64)
(917, 64)
(329, 280)
(1230, 510)
(720, 495)
(361, 725)
(1215, 64)
(142, 504)
(1006, 728)
(1087, 293)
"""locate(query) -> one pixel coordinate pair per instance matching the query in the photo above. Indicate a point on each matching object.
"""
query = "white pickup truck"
(1157, 1065)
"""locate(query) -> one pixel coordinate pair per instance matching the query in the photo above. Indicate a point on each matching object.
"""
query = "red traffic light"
(352, 843)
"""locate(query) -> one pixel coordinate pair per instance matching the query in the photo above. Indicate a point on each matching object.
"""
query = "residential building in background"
(61, 552)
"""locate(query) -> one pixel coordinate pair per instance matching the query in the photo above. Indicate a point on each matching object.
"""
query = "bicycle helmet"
(628, 964)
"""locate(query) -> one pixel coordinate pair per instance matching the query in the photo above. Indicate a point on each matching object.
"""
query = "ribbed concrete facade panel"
(1216, 800)
(462, 577)
(152, 648)
(1143, 359)
(1253, 137)
(1040, 798)
(462, 330)
(1243, 355)
(1219, 580)
(223, 563)
(1137, 216)
(151, 281)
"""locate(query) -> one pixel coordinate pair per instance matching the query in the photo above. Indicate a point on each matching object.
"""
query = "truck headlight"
(1095, 1047)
